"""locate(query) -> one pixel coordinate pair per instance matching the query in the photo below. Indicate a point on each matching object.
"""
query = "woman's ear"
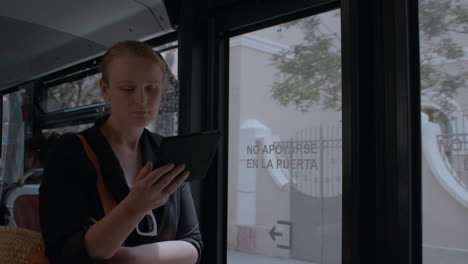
(104, 89)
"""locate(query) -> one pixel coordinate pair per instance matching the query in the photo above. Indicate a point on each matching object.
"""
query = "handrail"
(36, 171)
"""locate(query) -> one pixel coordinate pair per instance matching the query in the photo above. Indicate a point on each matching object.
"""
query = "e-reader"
(196, 150)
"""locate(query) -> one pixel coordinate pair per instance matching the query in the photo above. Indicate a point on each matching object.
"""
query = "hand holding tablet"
(195, 150)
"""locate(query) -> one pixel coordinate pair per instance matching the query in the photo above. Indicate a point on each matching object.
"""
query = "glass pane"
(73, 94)
(285, 143)
(443, 30)
(166, 123)
(11, 162)
(170, 51)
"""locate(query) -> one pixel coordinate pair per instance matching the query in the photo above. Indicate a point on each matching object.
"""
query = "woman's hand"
(152, 188)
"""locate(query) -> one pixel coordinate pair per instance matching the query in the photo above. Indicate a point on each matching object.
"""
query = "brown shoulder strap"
(108, 203)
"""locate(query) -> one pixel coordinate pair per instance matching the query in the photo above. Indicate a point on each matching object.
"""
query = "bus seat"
(22, 203)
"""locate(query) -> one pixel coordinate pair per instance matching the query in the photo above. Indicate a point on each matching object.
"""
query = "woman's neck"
(119, 135)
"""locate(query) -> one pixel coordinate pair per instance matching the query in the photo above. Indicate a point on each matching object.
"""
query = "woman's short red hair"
(135, 48)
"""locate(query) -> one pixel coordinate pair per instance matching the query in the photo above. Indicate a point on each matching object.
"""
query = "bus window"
(285, 144)
(166, 123)
(73, 94)
(11, 163)
(444, 129)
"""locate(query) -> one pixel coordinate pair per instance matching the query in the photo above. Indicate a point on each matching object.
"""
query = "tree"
(310, 73)
(73, 94)
(443, 25)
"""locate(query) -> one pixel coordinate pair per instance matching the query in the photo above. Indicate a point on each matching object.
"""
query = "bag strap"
(108, 203)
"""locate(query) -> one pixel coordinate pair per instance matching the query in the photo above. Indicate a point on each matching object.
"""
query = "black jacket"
(69, 197)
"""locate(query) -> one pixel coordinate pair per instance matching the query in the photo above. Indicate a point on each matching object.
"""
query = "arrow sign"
(273, 233)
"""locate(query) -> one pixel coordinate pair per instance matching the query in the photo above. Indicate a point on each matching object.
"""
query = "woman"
(73, 223)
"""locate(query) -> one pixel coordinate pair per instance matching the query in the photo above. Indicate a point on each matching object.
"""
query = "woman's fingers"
(163, 181)
(144, 171)
(154, 187)
(157, 173)
(172, 187)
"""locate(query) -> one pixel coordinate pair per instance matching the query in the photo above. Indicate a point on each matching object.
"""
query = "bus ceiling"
(40, 37)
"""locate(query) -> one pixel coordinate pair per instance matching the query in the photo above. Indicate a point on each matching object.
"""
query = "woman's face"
(134, 89)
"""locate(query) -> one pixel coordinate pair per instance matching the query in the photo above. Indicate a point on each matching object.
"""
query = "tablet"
(196, 150)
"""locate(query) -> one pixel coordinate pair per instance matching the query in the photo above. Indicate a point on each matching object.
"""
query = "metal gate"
(316, 192)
